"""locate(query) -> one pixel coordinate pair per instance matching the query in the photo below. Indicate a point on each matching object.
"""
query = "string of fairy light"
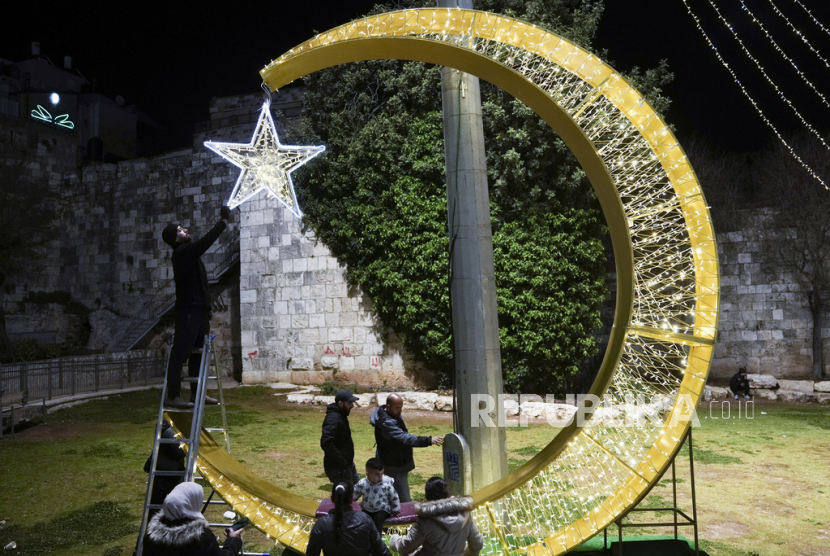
(766, 76)
(751, 99)
(783, 54)
(601, 471)
(795, 30)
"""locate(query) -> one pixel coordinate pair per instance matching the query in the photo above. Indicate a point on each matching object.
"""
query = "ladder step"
(169, 473)
(154, 506)
(215, 430)
(174, 441)
(217, 502)
(223, 525)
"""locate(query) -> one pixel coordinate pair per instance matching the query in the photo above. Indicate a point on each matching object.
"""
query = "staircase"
(150, 313)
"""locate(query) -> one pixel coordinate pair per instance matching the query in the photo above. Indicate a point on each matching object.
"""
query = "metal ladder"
(192, 441)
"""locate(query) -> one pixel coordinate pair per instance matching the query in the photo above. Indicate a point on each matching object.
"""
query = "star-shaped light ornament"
(266, 164)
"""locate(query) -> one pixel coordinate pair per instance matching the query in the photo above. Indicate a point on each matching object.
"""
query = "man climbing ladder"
(192, 305)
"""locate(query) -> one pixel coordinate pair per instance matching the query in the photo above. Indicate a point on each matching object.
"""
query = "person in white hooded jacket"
(180, 529)
(444, 527)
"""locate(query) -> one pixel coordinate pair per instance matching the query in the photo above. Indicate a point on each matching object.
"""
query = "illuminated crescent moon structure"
(660, 348)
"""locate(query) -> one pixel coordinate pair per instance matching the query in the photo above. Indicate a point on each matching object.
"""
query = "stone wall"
(765, 321)
(48, 156)
(301, 322)
(291, 315)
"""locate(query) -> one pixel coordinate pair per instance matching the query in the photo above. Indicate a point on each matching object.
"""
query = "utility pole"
(476, 348)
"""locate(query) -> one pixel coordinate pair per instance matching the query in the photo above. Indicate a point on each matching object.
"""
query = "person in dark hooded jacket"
(180, 529)
(444, 527)
(343, 531)
(336, 440)
(739, 384)
(394, 443)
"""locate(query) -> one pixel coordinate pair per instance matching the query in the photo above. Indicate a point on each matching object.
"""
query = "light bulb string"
(749, 97)
(799, 33)
(761, 69)
(784, 54)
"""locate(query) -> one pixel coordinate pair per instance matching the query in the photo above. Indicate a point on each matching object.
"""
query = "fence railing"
(36, 380)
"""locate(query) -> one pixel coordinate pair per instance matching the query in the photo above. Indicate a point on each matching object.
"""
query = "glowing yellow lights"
(663, 240)
(266, 164)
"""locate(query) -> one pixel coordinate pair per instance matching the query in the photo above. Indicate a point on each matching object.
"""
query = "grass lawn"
(74, 484)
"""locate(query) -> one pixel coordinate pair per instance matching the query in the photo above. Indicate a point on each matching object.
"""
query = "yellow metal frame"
(666, 281)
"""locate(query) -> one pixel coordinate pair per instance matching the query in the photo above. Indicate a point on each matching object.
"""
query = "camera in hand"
(244, 522)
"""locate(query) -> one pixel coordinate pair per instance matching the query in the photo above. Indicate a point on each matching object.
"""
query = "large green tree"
(377, 199)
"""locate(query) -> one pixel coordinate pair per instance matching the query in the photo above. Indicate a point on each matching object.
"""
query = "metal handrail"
(161, 303)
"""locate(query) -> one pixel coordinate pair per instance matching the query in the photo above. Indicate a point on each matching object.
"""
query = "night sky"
(169, 61)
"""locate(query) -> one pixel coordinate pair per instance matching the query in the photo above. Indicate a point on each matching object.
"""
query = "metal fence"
(24, 382)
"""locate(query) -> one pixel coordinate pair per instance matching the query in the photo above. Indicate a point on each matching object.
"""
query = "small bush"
(330, 388)
(29, 349)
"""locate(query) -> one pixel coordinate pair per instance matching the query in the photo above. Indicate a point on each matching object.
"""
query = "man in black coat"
(739, 384)
(336, 440)
(192, 305)
(395, 443)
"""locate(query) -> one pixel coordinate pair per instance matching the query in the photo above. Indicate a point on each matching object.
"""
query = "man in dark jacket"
(739, 384)
(336, 440)
(394, 443)
(192, 305)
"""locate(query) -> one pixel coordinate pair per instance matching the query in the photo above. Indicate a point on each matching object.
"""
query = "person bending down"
(378, 491)
(739, 384)
(444, 527)
(180, 529)
(344, 532)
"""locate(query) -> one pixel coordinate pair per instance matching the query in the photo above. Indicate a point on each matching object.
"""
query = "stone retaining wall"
(768, 387)
(765, 322)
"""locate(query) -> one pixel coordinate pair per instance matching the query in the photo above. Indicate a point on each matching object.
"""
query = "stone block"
(762, 381)
(822, 386)
(346, 363)
(310, 377)
(806, 386)
(765, 394)
(309, 336)
(533, 410)
(340, 334)
(511, 408)
(299, 321)
(300, 398)
(322, 400)
(795, 396)
(823, 398)
(444, 403)
(715, 393)
(301, 364)
(329, 362)
(365, 400)
(419, 400)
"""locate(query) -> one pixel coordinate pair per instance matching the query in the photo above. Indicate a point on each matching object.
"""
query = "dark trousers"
(338, 476)
(401, 482)
(191, 327)
(378, 517)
